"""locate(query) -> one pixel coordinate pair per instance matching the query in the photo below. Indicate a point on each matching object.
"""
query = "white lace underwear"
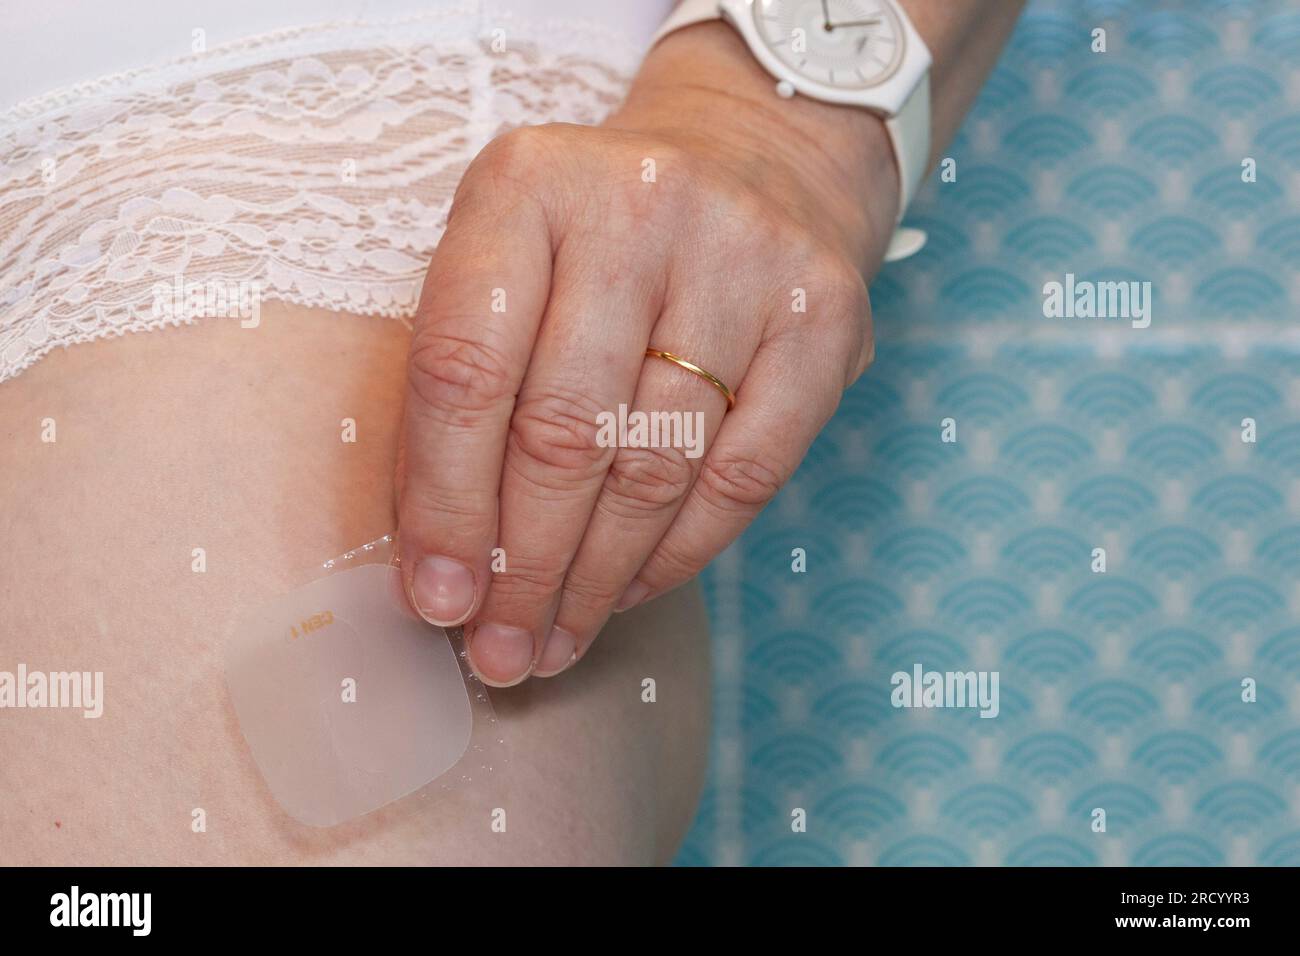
(315, 165)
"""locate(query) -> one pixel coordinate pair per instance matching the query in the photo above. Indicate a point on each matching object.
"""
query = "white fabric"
(53, 43)
(315, 162)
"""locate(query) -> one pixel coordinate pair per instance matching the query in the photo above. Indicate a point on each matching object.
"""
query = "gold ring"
(692, 367)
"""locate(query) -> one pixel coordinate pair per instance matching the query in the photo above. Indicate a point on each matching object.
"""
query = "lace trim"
(314, 165)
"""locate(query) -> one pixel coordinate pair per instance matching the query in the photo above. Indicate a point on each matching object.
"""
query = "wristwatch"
(854, 52)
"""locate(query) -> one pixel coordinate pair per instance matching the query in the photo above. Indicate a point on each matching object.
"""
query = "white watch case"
(886, 97)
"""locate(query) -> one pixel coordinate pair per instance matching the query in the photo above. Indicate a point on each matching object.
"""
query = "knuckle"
(457, 378)
(555, 431)
(518, 154)
(737, 481)
(670, 566)
(836, 289)
(587, 591)
(527, 580)
(747, 221)
(838, 310)
(677, 174)
(515, 167)
(432, 504)
(654, 209)
(645, 480)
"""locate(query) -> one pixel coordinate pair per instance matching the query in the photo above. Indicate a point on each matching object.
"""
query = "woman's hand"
(706, 218)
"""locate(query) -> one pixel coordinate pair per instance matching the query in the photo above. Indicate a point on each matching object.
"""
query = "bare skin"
(229, 439)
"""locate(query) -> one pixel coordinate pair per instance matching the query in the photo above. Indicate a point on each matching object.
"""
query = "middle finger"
(586, 359)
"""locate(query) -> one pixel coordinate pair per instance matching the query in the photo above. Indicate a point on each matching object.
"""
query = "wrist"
(702, 83)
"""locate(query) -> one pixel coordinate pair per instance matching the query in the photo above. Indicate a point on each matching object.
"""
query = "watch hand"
(826, 17)
(856, 23)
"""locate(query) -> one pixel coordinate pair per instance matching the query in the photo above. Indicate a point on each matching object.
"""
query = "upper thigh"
(232, 440)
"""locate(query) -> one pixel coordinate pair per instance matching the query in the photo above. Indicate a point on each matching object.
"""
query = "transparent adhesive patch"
(348, 700)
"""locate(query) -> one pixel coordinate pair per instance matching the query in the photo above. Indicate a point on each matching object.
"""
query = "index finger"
(479, 312)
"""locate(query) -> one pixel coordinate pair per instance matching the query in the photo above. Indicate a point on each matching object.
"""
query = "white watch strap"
(909, 132)
(909, 129)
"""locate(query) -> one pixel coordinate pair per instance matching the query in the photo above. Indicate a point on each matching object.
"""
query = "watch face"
(847, 44)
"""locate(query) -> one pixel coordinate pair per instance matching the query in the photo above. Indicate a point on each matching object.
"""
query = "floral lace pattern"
(317, 164)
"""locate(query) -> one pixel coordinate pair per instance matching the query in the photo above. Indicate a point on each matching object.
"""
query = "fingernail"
(634, 594)
(560, 651)
(443, 591)
(501, 655)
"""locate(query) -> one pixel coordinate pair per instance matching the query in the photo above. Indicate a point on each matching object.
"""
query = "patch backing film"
(348, 700)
